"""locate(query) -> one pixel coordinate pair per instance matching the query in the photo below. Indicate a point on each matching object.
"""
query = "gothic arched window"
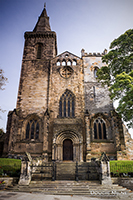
(95, 71)
(67, 104)
(39, 50)
(32, 129)
(99, 129)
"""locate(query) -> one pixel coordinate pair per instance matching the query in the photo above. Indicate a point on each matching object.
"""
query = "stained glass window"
(99, 129)
(32, 129)
(67, 104)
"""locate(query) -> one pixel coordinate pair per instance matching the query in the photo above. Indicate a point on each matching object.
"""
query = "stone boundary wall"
(9, 180)
(125, 182)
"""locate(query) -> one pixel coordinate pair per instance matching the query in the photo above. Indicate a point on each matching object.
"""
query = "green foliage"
(3, 81)
(11, 167)
(118, 74)
(1, 131)
(121, 166)
(1, 171)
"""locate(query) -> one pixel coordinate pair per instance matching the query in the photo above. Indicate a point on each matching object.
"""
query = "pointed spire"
(43, 22)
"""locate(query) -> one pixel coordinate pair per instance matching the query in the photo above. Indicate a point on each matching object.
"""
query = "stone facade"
(62, 112)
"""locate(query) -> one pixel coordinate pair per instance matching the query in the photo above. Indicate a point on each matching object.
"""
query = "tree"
(3, 81)
(118, 74)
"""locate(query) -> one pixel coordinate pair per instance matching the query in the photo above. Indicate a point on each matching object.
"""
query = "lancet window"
(99, 129)
(67, 104)
(39, 50)
(95, 71)
(32, 129)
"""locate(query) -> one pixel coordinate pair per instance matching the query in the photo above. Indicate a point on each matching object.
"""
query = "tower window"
(32, 129)
(58, 63)
(95, 71)
(39, 50)
(64, 63)
(74, 62)
(99, 129)
(69, 63)
(67, 105)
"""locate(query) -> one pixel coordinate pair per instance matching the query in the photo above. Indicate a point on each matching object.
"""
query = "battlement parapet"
(94, 54)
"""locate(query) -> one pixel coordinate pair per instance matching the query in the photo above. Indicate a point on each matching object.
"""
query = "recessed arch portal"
(62, 140)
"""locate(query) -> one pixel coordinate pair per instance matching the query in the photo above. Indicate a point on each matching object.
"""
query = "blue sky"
(88, 24)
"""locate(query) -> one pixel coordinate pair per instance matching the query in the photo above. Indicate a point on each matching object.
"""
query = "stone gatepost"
(105, 178)
(25, 176)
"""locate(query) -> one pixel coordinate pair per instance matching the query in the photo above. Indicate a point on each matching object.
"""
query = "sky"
(88, 24)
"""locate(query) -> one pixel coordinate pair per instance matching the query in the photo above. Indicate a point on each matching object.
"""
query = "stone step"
(65, 171)
(89, 188)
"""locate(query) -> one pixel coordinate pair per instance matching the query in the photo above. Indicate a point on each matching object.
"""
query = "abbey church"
(62, 112)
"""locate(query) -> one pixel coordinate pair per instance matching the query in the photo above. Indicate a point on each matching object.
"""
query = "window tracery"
(67, 104)
(32, 129)
(99, 129)
(66, 71)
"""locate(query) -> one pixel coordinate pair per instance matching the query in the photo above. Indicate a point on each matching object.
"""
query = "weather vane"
(45, 5)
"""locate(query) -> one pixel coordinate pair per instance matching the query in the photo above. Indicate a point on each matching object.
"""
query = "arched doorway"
(67, 149)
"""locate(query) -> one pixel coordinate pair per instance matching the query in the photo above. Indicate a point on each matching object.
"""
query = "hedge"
(11, 167)
(118, 167)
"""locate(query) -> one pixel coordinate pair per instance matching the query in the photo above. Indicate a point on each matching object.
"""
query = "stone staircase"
(65, 171)
(84, 188)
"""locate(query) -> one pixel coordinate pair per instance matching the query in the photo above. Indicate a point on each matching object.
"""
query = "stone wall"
(59, 84)
(127, 153)
(96, 96)
(125, 182)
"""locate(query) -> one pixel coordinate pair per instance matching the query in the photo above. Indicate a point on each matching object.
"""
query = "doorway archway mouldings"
(57, 146)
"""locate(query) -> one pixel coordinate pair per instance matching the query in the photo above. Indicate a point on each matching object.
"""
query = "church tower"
(25, 127)
(40, 47)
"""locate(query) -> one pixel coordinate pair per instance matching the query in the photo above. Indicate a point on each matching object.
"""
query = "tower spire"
(43, 22)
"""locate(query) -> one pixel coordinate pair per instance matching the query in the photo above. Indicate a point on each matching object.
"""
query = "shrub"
(121, 168)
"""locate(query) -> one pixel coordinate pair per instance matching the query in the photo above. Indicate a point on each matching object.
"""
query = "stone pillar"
(45, 137)
(105, 178)
(54, 150)
(81, 152)
(88, 142)
(25, 176)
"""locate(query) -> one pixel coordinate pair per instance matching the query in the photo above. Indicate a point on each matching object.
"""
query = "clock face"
(66, 71)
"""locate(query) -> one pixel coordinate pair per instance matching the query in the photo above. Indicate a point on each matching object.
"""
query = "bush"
(1, 171)
(10, 167)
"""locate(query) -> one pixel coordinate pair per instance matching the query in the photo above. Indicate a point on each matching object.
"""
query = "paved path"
(4, 195)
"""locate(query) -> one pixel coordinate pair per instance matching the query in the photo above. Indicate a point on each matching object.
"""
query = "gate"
(42, 172)
(66, 171)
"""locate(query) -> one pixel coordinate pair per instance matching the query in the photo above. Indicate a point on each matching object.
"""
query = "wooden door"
(67, 150)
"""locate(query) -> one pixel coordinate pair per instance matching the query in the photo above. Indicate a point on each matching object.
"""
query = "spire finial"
(45, 5)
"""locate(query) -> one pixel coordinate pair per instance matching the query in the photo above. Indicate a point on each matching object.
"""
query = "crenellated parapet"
(94, 54)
